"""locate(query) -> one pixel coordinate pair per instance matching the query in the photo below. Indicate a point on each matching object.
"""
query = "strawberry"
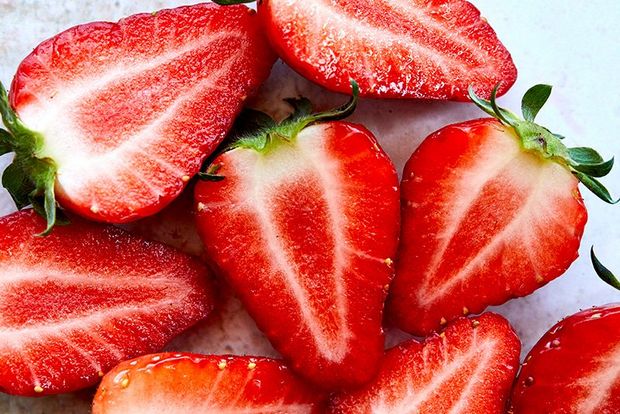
(393, 48)
(468, 368)
(113, 119)
(302, 220)
(76, 303)
(190, 383)
(491, 211)
(574, 368)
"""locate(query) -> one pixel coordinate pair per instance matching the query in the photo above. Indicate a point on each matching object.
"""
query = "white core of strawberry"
(543, 186)
(266, 174)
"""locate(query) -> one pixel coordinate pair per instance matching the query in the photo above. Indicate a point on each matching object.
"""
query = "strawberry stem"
(584, 163)
(29, 179)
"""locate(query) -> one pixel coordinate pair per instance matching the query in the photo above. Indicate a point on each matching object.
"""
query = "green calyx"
(585, 163)
(30, 178)
(261, 133)
(604, 273)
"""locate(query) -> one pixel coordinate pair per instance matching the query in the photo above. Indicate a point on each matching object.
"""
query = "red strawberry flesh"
(129, 110)
(468, 368)
(574, 368)
(185, 383)
(392, 48)
(77, 302)
(305, 234)
(483, 221)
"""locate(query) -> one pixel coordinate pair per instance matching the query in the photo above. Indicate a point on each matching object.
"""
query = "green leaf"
(302, 107)
(342, 111)
(596, 187)
(585, 155)
(533, 101)
(17, 184)
(250, 121)
(595, 170)
(5, 142)
(499, 113)
(211, 173)
(502, 114)
(605, 274)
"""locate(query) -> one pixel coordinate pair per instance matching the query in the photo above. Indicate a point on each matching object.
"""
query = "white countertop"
(571, 45)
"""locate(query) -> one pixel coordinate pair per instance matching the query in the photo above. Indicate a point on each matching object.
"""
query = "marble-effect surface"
(569, 45)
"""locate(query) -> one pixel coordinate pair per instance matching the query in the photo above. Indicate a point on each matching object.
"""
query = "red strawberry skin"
(574, 368)
(129, 110)
(305, 234)
(468, 368)
(392, 48)
(483, 221)
(77, 302)
(186, 383)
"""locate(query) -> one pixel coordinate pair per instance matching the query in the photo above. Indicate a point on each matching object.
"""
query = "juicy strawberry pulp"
(305, 232)
(189, 383)
(469, 368)
(483, 221)
(82, 299)
(129, 110)
(392, 48)
(574, 368)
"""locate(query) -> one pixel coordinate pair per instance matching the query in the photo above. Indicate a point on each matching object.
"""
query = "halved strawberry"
(467, 369)
(76, 303)
(491, 211)
(574, 368)
(190, 383)
(303, 222)
(393, 48)
(114, 118)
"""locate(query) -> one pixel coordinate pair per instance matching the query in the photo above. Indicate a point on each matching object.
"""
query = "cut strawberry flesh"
(469, 368)
(301, 236)
(129, 110)
(392, 48)
(574, 368)
(185, 383)
(483, 221)
(84, 298)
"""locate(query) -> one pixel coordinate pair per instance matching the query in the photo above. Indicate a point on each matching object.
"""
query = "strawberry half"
(190, 383)
(574, 368)
(468, 368)
(76, 303)
(302, 220)
(491, 211)
(113, 119)
(394, 48)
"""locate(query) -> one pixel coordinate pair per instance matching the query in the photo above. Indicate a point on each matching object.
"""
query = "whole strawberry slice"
(112, 119)
(491, 211)
(75, 304)
(468, 368)
(393, 48)
(303, 222)
(574, 368)
(190, 383)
